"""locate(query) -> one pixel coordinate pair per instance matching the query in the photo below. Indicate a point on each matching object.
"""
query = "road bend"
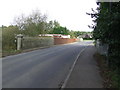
(43, 68)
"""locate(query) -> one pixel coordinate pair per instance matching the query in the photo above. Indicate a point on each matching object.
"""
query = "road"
(44, 68)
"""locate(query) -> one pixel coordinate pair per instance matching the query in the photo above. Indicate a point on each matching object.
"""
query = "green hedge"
(8, 40)
(33, 42)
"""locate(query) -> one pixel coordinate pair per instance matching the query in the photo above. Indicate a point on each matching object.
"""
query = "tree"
(50, 26)
(106, 29)
(33, 24)
(72, 34)
(56, 24)
(60, 30)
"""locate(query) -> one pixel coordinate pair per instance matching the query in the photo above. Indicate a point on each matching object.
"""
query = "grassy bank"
(14, 52)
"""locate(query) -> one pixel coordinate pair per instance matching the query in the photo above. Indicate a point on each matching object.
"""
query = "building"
(56, 35)
(85, 36)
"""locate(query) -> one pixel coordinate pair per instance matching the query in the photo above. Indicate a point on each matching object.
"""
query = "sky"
(69, 13)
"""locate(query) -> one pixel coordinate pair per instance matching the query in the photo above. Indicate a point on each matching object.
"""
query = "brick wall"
(64, 40)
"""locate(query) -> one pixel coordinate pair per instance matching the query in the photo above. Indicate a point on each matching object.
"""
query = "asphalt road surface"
(44, 68)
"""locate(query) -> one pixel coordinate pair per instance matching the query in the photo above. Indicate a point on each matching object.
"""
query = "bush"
(8, 38)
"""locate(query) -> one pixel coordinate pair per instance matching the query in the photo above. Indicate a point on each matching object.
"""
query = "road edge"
(33, 49)
(71, 69)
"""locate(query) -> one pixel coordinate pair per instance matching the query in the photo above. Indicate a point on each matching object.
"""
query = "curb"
(68, 76)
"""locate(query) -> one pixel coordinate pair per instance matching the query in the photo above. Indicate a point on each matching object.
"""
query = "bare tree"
(33, 24)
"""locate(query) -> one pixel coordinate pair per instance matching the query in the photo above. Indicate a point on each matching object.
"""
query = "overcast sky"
(69, 13)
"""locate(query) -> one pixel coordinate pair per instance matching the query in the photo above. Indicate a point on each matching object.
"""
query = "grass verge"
(111, 78)
(10, 52)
